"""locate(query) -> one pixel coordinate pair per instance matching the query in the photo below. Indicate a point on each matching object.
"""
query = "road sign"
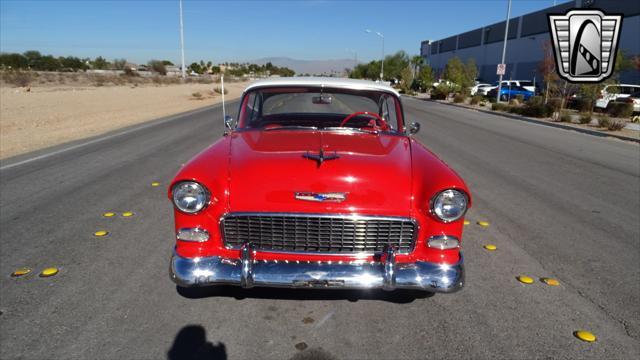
(501, 69)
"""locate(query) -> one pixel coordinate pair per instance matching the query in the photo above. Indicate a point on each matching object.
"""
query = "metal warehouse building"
(527, 35)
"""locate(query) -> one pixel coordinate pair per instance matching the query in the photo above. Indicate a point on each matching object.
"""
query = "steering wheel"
(383, 124)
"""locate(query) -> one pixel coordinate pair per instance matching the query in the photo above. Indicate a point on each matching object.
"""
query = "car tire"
(503, 97)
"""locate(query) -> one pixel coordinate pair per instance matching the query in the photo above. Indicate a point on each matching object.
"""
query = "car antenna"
(224, 112)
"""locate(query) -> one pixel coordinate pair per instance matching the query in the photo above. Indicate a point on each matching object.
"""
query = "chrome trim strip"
(334, 216)
(419, 275)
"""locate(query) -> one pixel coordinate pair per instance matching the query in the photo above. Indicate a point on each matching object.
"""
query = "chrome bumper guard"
(385, 274)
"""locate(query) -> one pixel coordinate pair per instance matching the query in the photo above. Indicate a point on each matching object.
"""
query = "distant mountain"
(308, 66)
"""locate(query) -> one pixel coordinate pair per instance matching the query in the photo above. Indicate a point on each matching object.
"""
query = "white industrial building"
(527, 34)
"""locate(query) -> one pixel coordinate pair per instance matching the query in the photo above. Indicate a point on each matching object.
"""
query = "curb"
(535, 121)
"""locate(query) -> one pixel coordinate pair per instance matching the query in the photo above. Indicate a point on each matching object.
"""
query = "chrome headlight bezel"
(434, 200)
(203, 196)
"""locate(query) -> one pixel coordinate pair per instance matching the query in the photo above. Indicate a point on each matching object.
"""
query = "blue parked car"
(507, 93)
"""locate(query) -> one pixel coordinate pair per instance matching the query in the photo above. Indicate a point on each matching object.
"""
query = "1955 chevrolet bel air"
(319, 184)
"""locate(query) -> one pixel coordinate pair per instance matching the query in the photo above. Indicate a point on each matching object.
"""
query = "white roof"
(354, 84)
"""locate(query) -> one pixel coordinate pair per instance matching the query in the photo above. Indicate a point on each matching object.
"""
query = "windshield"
(320, 108)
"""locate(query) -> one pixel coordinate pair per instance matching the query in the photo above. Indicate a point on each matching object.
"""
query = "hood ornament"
(320, 157)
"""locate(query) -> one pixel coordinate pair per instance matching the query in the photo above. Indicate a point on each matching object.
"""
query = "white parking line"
(142, 127)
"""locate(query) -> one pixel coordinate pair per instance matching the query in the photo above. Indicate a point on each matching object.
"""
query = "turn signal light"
(193, 234)
(443, 242)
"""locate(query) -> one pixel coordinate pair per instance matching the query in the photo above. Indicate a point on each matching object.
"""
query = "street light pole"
(382, 62)
(182, 42)
(504, 48)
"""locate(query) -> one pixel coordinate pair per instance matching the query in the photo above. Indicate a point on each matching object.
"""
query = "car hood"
(267, 168)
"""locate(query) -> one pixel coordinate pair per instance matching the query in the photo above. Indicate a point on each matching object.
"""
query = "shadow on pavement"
(397, 296)
(191, 344)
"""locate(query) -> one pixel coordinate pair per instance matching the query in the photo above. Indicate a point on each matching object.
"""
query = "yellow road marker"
(49, 272)
(550, 281)
(155, 184)
(101, 233)
(525, 279)
(483, 223)
(109, 214)
(490, 247)
(127, 214)
(20, 272)
(467, 222)
(585, 335)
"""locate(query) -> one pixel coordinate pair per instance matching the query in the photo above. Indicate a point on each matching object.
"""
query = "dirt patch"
(51, 115)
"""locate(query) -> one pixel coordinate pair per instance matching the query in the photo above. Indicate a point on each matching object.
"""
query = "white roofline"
(344, 83)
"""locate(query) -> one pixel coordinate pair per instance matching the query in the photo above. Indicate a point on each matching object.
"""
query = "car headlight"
(449, 205)
(190, 197)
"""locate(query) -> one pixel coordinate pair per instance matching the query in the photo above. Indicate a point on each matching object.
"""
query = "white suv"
(613, 92)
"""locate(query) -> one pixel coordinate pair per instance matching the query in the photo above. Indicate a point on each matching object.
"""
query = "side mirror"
(228, 122)
(414, 128)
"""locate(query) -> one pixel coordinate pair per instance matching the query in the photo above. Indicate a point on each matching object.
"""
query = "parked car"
(527, 84)
(612, 92)
(477, 89)
(633, 99)
(319, 184)
(508, 93)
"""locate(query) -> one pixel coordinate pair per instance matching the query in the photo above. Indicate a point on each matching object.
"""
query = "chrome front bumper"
(385, 274)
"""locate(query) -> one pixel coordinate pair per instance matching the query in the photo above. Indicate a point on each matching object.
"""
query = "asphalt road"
(560, 204)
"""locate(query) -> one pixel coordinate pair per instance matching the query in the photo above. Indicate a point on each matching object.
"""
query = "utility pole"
(182, 42)
(504, 48)
(382, 63)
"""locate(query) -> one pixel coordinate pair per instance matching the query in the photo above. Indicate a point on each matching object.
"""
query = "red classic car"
(319, 184)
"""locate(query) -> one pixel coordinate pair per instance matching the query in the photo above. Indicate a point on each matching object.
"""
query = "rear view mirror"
(414, 127)
(322, 99)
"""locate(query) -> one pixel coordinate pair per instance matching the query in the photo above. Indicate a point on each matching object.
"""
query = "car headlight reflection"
(190, 197)
(449, 205)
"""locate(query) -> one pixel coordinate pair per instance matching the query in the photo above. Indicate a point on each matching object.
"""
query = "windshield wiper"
(289, 127)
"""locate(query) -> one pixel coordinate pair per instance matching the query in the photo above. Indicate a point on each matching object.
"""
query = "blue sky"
(240, 30)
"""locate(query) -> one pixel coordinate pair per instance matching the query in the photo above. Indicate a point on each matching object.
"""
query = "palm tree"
(416, 61)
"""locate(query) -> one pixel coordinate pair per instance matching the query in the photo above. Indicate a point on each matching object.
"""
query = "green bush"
(565, 116)
(476, 99)
(555, 103)
(535, 100)
(583, 105)
(441, 92)
(197, 96)
(515, 109)
(499, 106)
(620, 109)
(514, 102)
(459, 98)
(585, 118)
(492, 100)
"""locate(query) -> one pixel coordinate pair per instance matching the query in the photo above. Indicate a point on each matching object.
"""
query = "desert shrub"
(585, 118)
(515, 109)
(620, 109)
(604, 121)
(99, 80)
(459, 98)
(535, 100)
(520, 98)
(565, 116)
(499, 106)
(441, 92)
(493, 100)
(583, 105)
(218, 90)
(615, 125)
(555, 103)
(197, 95)
(18, 78)
(129, 72)
(475, 99)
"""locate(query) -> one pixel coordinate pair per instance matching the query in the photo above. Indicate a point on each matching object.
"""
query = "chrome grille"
(318, 233)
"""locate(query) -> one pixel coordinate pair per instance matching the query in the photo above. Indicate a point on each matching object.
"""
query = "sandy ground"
(47, 116)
